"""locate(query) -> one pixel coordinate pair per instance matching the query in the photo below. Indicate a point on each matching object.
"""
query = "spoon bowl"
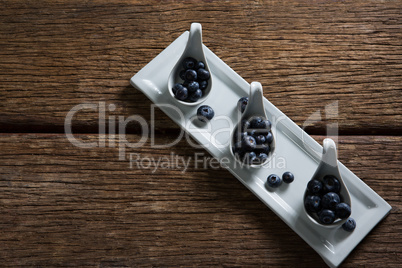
(254, 108)
(193, 49)
(329, 166)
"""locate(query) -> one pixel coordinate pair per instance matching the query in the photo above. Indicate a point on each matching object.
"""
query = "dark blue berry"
(349, 225)
(193, 86)
(256, 122)
(203, 84)
(274, 181)
(181, 74)
(327, 216)
(260, 139)
(288, 177)
(203, 74)
(176, 87)
(249, 157)
(190, 75)
(314, 186)
(195, 96)
(312, 203)
(242, 103)
(331, 184)
(266, 125)
(205, 113)
(189, 63)
(181, 93)
(265, 148)
(252, 132)
(248, 142)
(262, 157)
(269, 137)
(330, 200)
(342, 210)
(199, 65)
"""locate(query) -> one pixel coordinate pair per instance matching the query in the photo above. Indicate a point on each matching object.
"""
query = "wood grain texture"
(68, 206)
(307, 55)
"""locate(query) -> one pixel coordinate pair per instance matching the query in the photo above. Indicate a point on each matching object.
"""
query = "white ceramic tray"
(300, 152)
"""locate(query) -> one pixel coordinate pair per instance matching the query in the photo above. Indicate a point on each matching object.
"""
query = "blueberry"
(189, 63)
(269, 137)
(242, 103)
(203, 84)
(199, 65)
(331, 184)
(181, 74)
(330, 200)
(205, 113)
(327, 216)
(342, 210)
(238, 136)
(181, 93)
(262, 124)
(262, 157)
(265, 148)
(260, 139)
(349, 225)
(256, 122)
(252, 132)
(196, 95)
(193, 86)
(266, 124)
(249, 157)
(314, 186)
(176, 87)
(203, 74)
(248, 142)
(288, 177)
(312, 203)
(190, 75)
(274, 181)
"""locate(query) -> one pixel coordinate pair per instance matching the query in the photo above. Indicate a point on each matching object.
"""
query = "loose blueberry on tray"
(195, 80)
(349, 225)
(288, 177)
(274, 181)
(323, 200)
(253, 135)
(205, 113)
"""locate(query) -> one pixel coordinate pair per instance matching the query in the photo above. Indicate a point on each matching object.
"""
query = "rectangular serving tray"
(299, 152)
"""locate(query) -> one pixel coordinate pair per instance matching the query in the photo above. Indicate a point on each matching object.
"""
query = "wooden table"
(67, 206)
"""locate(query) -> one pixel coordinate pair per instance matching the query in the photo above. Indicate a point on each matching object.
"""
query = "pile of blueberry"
(252, 140)
(195, 80)
(323, 200)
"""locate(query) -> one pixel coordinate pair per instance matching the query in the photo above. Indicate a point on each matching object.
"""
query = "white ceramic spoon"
(329, 166)
(255, 107)
(195, 50)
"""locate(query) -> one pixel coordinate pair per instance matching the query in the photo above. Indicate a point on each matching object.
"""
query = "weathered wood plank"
(307, 55)
(68, 206)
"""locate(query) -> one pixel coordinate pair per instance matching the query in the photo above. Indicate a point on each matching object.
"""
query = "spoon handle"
(256, 102)
(195, 38)
(329, 155)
